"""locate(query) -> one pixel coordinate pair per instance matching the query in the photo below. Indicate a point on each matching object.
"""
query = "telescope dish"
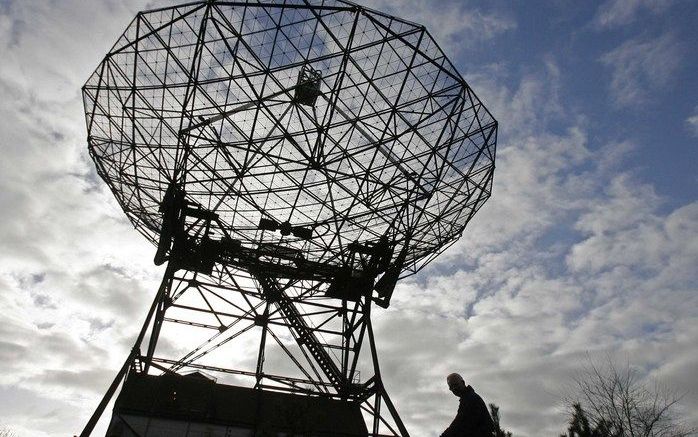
(307, 126)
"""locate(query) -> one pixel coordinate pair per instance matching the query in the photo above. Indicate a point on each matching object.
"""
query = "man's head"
(456, 384)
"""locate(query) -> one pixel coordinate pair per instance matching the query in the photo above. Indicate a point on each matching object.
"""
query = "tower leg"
(381, 396)
(166, 287)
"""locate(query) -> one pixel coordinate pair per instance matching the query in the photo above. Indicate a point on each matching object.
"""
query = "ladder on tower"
(303, 333)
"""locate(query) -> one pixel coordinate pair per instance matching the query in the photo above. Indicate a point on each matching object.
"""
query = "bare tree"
(6, 432)
(617, 400)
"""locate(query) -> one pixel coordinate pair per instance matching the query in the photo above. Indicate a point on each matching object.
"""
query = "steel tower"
(290, 161)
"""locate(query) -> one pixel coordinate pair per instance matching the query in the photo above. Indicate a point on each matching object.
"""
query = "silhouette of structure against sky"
(290, 162)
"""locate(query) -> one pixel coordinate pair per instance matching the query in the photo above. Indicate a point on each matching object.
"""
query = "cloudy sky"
(588, 247)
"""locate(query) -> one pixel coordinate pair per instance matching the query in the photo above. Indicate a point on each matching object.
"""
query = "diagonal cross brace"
(380, 146)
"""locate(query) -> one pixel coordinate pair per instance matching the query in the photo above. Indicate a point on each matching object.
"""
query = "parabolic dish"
(326, 118)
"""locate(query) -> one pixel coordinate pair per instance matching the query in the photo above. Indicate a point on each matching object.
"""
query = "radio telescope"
(290, 161)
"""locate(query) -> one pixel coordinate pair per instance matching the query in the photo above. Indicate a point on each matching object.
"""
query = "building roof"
(196, 399)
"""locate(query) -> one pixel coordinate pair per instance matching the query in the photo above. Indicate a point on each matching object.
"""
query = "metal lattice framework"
(291, 160)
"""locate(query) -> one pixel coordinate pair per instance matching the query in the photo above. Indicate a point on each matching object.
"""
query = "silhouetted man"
(473, 419)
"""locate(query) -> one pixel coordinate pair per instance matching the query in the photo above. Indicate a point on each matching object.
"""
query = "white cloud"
(455, 26)
(627, 288)
(532, 102)
(639, 237)
(615, 13)
(692, 123)
(569, 257)
(640, 67)
(73, 274)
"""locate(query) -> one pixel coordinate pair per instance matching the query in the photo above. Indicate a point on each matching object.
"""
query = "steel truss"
(291, 160)
(292, 319)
